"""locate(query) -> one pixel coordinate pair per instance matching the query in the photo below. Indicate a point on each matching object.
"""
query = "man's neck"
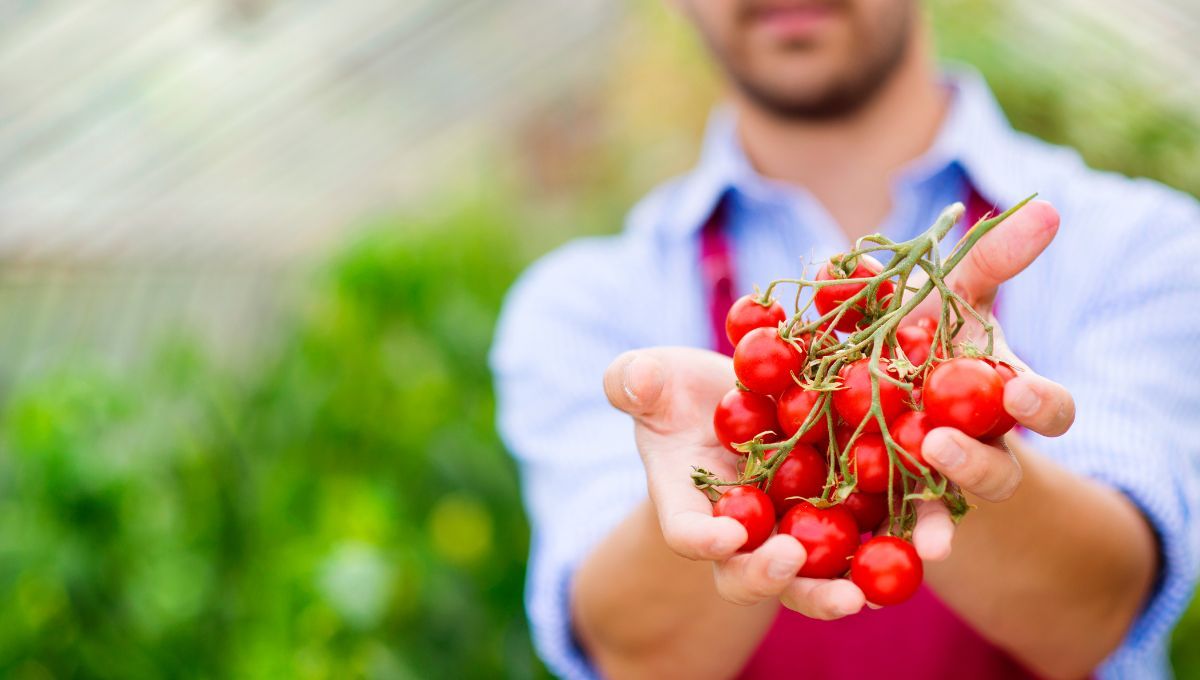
(848, 164)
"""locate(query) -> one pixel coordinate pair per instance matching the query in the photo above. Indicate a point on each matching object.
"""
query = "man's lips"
(792, 20)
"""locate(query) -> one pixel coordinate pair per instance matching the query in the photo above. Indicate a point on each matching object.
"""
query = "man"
(1082, 550)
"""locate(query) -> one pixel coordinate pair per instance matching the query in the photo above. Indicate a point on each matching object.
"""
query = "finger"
(934, 531)
(685, 514)
(634, 382)
(823, 598)
(1039, 404)
(753, 577)
(700, 536)
(650, 384)
(987, 471)
(1005, 251)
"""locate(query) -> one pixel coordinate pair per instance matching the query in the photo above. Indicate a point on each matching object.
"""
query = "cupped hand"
(988, 470)
(671, 391)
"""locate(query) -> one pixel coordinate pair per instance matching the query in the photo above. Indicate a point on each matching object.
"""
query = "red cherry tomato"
(916, 343)
(870, 464)
(909, 432)
(828, 534)
(741, 415)
(1006, 421)
(794, 406)
(801, 475)
(929, 323)
(915, 400)
(841, 436)
(853, 400)
(965, 393)
(887, 569)
(765, 362)
(869, 509)
(747, 313)
(750, 506)
(827, 299)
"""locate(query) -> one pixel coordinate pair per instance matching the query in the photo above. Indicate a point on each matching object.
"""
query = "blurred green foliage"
(341, 509)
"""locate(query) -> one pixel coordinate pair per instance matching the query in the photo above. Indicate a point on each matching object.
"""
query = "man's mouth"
(792, 20)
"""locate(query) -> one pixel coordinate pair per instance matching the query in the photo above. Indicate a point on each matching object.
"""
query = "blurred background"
(251, 252)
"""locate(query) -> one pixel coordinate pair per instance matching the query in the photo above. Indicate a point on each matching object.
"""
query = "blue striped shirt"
(1111, 310)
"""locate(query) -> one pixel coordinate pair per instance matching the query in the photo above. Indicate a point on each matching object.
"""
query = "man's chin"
(815, 102)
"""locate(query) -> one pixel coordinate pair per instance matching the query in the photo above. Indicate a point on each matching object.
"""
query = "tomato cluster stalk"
(873, 314)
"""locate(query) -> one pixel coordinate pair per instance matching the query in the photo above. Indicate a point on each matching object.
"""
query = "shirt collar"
(975, 136)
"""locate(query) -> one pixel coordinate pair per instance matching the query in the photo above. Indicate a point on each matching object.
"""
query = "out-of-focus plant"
(342, 508)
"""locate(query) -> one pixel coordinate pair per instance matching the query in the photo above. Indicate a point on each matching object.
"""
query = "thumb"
(664, 383)
(1005, 251)
(634, 382)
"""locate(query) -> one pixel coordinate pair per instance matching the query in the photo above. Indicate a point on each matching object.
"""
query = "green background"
(340, 505)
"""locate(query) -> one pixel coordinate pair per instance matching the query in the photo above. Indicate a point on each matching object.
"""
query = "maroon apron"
(919, 639)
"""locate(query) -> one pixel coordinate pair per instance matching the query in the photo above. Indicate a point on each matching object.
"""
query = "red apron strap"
(717, 273)
(979, 207)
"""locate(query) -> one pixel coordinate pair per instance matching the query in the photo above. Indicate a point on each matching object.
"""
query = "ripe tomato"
(869, 509)
(916, 343)
(841, 435)
(741, 415)
(887, 569)
(929, 323)
(765, 362)
(750, 506)
(1006, 421)
(853, 400)
(828, 534)
(827, 298)
(794, 406)
(909, 432)
(915, 400)
(870, 464)
(801, 475)
(965, 393)
(747, 313)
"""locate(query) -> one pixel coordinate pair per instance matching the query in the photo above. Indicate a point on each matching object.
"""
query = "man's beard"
(841, 98)
(885, 49)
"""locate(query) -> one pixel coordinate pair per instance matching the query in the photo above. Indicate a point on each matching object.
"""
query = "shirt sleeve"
(1130, 359)
(581, 474)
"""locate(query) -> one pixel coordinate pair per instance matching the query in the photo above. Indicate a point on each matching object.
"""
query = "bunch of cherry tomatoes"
(829, 428)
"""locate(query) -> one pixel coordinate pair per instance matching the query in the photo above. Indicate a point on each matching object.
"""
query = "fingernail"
(779, 569)
(625, 373)
(1025, 401)
(943, 452)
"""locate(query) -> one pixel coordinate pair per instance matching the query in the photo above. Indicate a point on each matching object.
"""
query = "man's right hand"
(671, 392)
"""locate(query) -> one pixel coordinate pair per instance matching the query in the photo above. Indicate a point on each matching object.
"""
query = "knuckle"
(733, 592)
(807, 605)
(974, 475)
(678, 540)
(723, 590)
(677, 544)
(822, 611)
(790, 601)
(988, 266)
(1011, 482)
(1004, 482)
